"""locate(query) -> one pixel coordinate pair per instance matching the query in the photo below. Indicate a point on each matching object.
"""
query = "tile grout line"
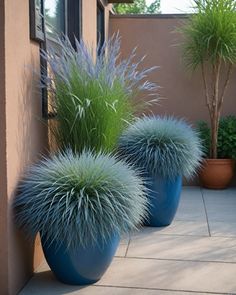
(205, 209)
(127, 249)
(176, 235)
(162, 289)
(174, 259)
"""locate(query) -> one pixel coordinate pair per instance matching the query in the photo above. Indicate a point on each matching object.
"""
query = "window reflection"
(54, 17)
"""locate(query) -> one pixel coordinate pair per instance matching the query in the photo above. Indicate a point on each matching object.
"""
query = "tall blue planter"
(164, 196)
(81, 266)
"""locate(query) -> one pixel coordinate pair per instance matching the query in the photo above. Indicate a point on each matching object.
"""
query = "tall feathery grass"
(94, 96)
(80, 199)
(162, 146)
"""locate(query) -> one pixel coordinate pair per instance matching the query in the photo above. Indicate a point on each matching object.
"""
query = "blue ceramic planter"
(81, 266)
(164, 196)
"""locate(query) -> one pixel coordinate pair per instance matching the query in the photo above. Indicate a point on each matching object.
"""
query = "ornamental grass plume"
(94, 95)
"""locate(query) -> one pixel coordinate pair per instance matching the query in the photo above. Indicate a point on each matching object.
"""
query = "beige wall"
(26, 135)
(89, 20)
(181, 90)
(23, 134)
(3, 166)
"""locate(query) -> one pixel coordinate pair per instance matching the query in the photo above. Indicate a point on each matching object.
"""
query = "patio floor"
(195, 255)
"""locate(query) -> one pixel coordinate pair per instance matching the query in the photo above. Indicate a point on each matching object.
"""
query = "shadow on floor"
(49, 285)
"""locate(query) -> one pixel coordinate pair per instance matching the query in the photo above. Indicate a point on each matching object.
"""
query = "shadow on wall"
(31, 141)
(27, 142)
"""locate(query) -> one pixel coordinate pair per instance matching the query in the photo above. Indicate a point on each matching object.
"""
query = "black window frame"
(100, 26)
(37, 26)
(74, 22)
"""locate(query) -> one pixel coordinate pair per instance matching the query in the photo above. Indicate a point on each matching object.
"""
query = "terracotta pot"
(217, 173)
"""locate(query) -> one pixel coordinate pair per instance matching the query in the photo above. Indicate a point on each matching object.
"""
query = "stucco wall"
(89, 20)
(156, 37)
(3, 166)
(26, 135)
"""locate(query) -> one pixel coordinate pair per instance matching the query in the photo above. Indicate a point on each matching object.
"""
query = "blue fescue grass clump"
(93, 94)
(79, 199)
(162, 146)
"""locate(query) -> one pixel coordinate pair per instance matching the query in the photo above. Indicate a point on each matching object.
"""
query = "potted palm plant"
(210, 43)
(226, 147)
(165, 149)
(81, 205)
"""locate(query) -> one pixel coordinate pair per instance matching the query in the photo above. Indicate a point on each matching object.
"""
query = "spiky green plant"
(78, 199)
(93, 95)
(210, 44)
(162, 146)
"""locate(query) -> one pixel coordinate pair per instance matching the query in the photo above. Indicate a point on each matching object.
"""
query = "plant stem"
(206, 88)
(229, 73)
(215, 114)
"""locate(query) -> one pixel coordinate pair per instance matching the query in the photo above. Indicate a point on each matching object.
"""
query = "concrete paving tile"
(191, 205)
(232, 191)
(191, 192)
(177, 227)
(219, 195)
(125, 239)
(171, 275)
(221, 215)
(221, 205)
(45, 283)
(192, 211)
(222, 228)
(227, 201)
(224, 207)
(157, 246)
(194, 202)
(121, 251)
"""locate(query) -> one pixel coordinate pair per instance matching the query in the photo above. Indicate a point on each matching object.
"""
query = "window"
(74, 20)
(62, 17)
(100, 26)
(55, 18)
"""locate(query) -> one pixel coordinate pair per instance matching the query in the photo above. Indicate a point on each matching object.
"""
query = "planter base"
(81, 266)
(164, 199)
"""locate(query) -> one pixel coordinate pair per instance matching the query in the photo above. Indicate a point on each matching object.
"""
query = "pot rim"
(219, 161)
